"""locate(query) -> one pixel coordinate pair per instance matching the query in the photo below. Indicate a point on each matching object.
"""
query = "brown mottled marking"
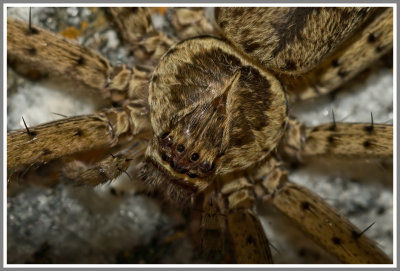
(281, 36)
(333, 231)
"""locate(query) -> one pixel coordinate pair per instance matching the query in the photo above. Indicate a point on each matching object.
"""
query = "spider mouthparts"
(174, 187)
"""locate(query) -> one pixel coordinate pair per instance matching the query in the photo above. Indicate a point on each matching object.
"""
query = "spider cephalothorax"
(221, 113)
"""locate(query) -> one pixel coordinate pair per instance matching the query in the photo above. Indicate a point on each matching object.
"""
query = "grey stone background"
(115, 223)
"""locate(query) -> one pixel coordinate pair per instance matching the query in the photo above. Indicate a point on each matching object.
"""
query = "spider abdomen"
(290, 40)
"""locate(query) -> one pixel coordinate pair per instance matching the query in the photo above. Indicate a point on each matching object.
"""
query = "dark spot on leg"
(80, 61)
(330, 139)
(371, 38)
(250, 240)
(378, 49)
(336, 240)
(335, 63)
(46, 152)
(341, 73)
(305, 206)
(369, 129)
(154, 78)
(78, 132)
(33, 134)
(367, 143)
(315, 129)
(32, 31)
(355, 234)
(32, 51)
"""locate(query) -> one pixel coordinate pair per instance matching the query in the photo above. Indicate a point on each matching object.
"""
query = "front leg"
(341, 140)
(39, 54)
(43, 143)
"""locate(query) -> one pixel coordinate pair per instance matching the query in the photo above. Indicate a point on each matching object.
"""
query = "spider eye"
(167, 140)
(180, 148)
(195, 157)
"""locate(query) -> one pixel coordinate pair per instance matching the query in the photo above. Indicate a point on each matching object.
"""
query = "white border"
(394, 6)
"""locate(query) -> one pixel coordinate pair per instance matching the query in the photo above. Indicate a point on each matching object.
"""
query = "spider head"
(212, 113)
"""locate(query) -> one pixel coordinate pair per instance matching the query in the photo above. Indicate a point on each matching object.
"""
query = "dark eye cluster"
(174, 155)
